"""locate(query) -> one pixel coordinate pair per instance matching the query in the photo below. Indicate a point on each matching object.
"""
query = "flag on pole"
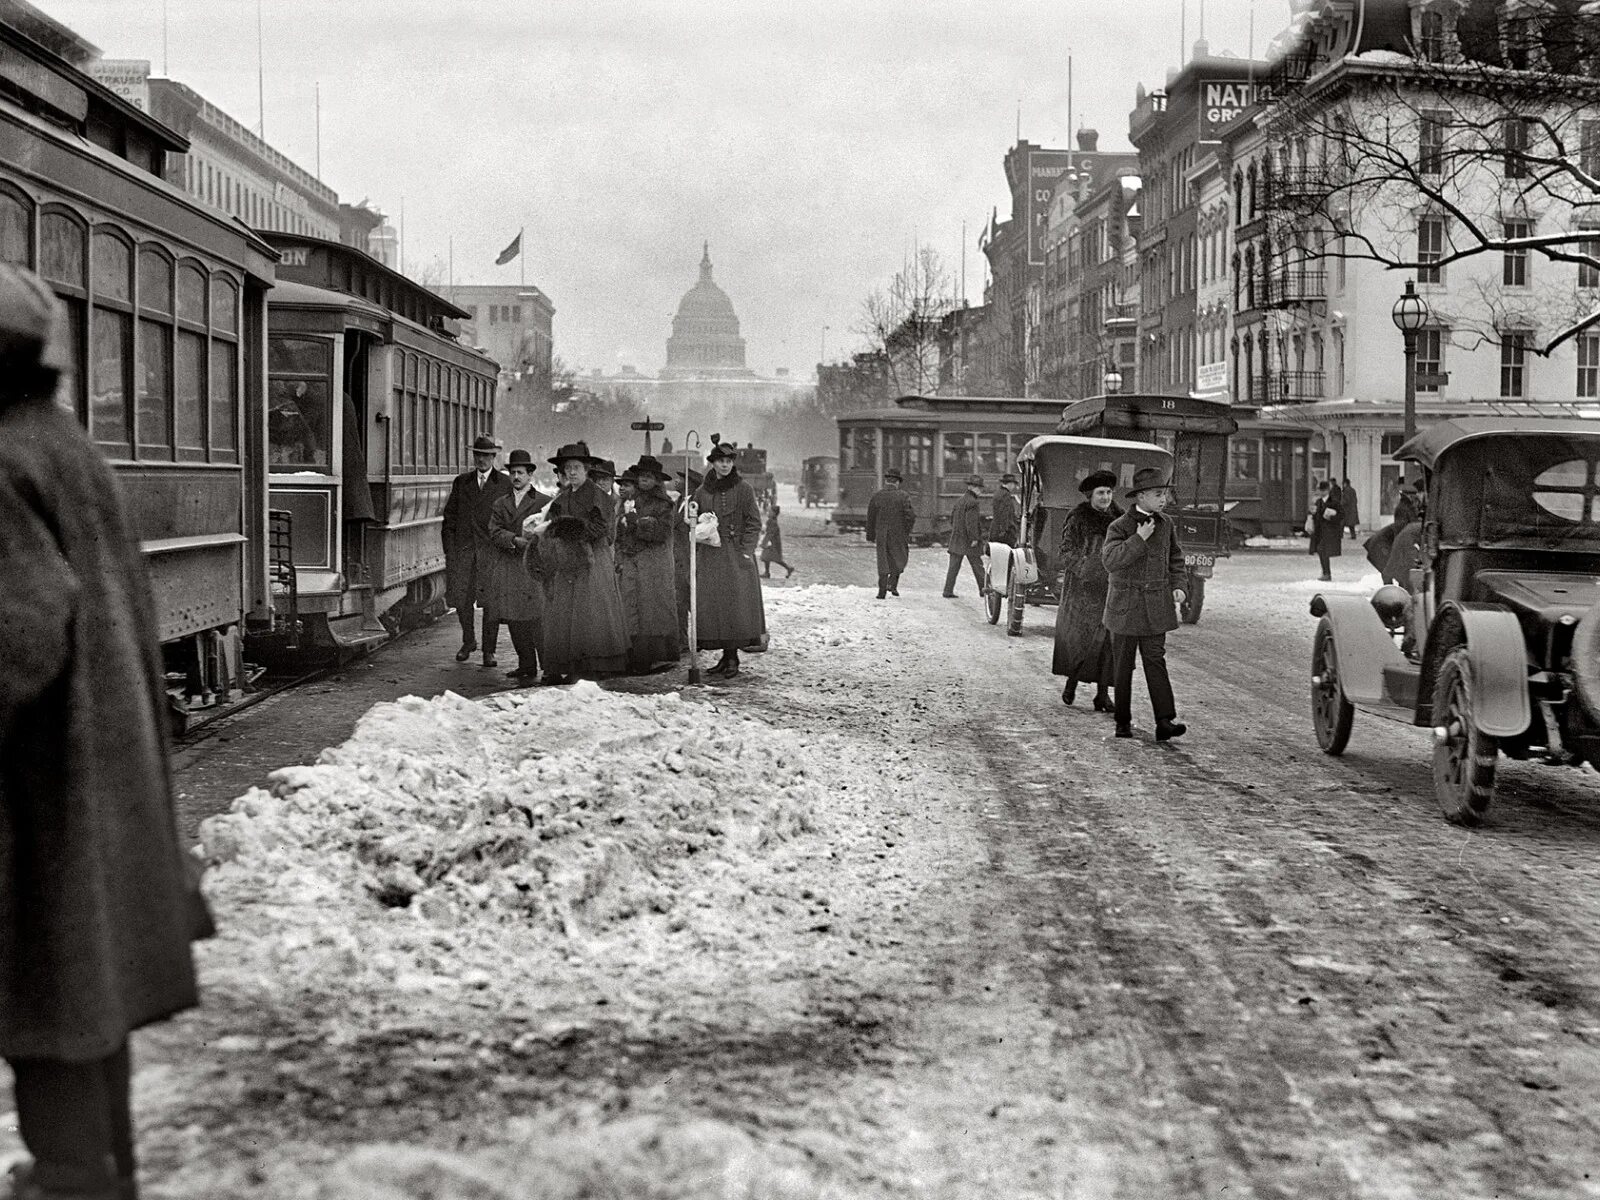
(510, 251)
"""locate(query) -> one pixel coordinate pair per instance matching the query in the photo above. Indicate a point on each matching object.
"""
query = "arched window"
(16, 227)
(153, 423)
(189, 371)
(111, 342)
(64, 263)
(223, 409)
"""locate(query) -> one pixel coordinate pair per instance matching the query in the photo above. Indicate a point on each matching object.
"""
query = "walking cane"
(694, 599)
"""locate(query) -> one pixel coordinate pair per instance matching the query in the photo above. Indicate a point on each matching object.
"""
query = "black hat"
(650, 465)
(1008, 477)
(893, 474)
(1097, 479)
(975, 481)
(722, 450)
(1148, 479)
(520, 458)
(602, 466)
(690, 477)
(577, 450)
(484, 444)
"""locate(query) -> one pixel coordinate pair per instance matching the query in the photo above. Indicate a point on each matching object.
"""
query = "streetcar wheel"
(1194, 599)
(1331, 713)
(991, 603)
(1016, 602)
(1464, 758)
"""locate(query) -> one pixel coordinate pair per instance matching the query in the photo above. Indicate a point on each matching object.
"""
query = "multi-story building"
(1321, 219)
(512, 323)
(1176, 129)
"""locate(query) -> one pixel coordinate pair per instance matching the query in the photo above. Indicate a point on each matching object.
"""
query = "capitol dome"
(705, 337)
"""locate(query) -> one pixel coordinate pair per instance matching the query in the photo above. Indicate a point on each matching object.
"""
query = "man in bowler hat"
(1146, 572)
(966, 537)
(468, 554)
(890, 518)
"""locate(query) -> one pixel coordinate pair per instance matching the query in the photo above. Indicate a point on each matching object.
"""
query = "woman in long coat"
(728, 611)
(1083, 644)
(1327, 528)
(515, 594)
(585, 632)
(647, 568)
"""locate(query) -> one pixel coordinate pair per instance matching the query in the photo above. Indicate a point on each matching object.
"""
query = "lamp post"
(1113, 381)
(1410, 313)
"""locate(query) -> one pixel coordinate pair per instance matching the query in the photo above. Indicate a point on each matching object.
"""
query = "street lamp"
(1113, 381)
(1410, 314)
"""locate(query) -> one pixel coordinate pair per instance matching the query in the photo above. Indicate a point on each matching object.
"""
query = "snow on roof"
(1385, 58)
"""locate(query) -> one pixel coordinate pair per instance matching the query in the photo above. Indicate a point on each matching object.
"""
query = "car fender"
(1023, 566)
(997, 565)
(1364, 646)
(1497, 656)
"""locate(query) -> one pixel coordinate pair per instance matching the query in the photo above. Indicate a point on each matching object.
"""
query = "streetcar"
(935, 442)
(1195, 432)
(371, 405)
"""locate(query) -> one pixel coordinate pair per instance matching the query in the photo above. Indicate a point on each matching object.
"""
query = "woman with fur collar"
(728, 611)
(584, 630)
(1083, 645)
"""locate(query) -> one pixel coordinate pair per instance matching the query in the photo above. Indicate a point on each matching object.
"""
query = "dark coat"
(1007, 523)
(98, 901)
(890, 518)
(1143, 575)
(1351, 503)
(1082, 639)
(468, 553)
(772, 542)
(647, 577)
(966, 525)
(728, 609)
(583, 627)
(1327, 525)
(514, 591)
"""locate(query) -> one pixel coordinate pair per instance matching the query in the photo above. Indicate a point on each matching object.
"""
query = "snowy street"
(883, 917)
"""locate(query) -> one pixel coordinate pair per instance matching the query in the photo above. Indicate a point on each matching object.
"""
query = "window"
(1430, 141)
(1245, 455)
(858, 449)
(992, 457)
(1589, 272)
(958, 456)
(1589, 366)
(299, 403)
(1515, 273)
(16, 230)
(110, 422)
(1513, 365)
(1430, 47)
(1589, 149)
(1430, 249)
(1516, 147)
(223, 407)
(63, 263)
(1430, 357)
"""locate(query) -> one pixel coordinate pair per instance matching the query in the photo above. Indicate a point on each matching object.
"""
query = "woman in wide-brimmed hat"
(583, 631)
(646, 571)
(728, 610)
(1083, 644)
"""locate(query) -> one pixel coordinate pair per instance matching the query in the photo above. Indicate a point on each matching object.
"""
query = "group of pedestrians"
(594, 580)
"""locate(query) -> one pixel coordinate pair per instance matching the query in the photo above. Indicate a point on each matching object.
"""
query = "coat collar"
(720, 483)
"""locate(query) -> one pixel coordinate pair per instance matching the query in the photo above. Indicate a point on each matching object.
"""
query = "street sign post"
(649, 427)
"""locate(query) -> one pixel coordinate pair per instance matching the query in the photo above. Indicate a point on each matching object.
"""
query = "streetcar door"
(1284, 480)
(304, 435)
(356, 508)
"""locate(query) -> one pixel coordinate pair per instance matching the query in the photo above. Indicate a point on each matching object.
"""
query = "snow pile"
(561, 810)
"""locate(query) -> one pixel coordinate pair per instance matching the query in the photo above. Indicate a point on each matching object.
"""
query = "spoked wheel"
(1016, 603)
(992, 600)
(1464, 758)
(1331, 713)
(1194, 599)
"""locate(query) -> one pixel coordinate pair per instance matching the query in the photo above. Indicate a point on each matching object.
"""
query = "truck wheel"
(1463, 757)
(1194, 599)
(1331, 713)
(1016, 603)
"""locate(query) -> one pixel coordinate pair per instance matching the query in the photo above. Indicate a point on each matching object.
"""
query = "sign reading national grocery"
(1221, 100)
(1045, 169)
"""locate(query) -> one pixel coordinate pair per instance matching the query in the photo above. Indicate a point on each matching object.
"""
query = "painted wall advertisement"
(1045, 168)
(127, 77)
(1221, 100)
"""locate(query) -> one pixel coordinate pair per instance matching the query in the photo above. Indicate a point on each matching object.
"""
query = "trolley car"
(1195, 433)
(935, 442)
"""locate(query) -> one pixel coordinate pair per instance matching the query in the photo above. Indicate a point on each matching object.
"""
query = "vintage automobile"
(1495, 643)
(819, 480)
(1051, 468)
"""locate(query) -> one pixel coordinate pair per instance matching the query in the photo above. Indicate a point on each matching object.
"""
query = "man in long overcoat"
(1006, 522)
(1351, 503)
(890, 518)
(1146, 573)
(966, 537)
(515, 594)
(1327, 528)
(98, 901)
(468, 553)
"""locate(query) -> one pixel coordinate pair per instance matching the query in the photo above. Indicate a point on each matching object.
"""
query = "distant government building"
(705, 377)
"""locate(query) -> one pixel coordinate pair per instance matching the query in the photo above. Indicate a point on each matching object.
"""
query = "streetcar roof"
(1124, 410)
(1431, 443)
(1041, 446)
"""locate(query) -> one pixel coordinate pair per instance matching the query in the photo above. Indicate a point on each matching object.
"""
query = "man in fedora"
(890, 518)
(966, 537)
(468, 553)
(1145, 564)
(515, 595)
(1006, 524)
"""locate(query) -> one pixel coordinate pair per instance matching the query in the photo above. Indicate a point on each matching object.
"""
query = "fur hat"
(1097, 479)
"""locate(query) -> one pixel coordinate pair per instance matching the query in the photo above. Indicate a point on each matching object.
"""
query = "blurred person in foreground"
(98, 901)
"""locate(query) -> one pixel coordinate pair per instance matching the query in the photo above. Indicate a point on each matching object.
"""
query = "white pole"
(694, 588)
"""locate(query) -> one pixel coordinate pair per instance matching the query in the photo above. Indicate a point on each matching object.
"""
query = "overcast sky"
(812, 142)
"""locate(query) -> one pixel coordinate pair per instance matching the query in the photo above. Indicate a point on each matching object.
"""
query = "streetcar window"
(189, 395)
(61, 249)
(957, 454)
(224, 305)
(112, 352)
(299, 403)
(152, 415)
(191, 294)
(155, 282)
(224, 401)
(992, 454)
(113, 263)
(16, 230)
